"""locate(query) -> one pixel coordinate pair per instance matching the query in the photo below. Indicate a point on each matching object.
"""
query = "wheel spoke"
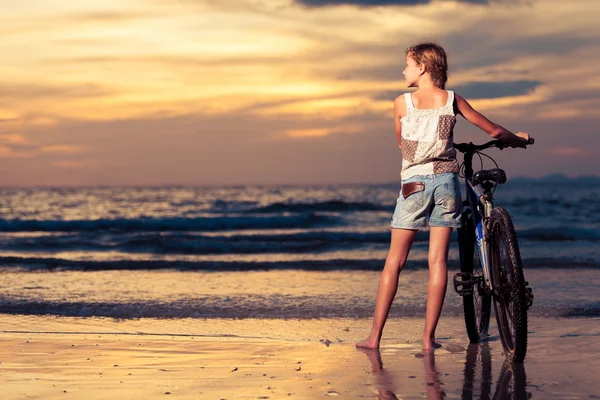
(481, 314)
(507, 286)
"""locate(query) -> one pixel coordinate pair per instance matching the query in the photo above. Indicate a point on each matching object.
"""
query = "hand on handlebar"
(526, 139)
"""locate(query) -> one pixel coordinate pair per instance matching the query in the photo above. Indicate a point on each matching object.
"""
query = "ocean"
(269, 252)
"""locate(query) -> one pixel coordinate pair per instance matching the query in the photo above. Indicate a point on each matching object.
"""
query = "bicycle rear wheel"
(477, 306)
(510, 299)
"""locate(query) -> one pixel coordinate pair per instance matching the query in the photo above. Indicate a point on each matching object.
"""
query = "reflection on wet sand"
(511, 383)
(477, 379)
(435, 389)
(384, 381)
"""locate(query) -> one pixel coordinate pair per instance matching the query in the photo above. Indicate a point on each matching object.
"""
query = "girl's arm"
(492, 129)
(399, 112)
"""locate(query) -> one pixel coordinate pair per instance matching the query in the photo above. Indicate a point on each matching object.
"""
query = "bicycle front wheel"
(477, 306)
(509, 293)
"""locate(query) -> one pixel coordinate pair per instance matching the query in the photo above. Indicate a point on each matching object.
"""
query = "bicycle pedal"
(463, 283)
(528, 297)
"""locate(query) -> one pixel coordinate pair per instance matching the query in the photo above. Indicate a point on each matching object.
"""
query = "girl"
(430, 195)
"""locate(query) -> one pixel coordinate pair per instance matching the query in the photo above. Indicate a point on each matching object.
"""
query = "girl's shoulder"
(458, 99)
(400, 106)
(401, 99)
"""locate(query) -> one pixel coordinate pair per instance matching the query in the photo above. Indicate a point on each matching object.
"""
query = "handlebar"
(471, 148)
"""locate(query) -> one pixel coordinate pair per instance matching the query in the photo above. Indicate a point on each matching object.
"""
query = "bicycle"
(491, 268)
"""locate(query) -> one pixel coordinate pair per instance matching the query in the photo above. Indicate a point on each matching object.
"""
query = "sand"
(50, 357)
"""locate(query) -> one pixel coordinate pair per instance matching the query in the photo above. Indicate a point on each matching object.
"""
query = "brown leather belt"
(412, 188)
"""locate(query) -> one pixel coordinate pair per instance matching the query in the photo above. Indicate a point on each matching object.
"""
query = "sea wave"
(58, 264)
(197, 243)
(263, 240)
(559, 234)
(256, 306)
(325, 206)
(232, 222)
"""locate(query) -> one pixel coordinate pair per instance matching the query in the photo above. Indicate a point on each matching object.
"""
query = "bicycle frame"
(477, 196)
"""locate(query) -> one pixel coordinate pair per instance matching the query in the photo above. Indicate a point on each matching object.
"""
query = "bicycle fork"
(483, 242)
(464, 282)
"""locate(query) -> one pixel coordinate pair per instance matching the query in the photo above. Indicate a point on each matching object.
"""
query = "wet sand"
(263, 294)
(190, 358)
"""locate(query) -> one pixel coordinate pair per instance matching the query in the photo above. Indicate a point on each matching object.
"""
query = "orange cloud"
(63, 149)
(75, 164)
(7, 152)
(297, 133)
(12, 138)
(568, 151)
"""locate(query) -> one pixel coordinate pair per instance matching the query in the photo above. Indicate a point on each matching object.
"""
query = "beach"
(97, 358)
(235, 344)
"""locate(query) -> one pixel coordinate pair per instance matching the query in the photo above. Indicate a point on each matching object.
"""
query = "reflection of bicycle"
(511, 384)
(490, 260)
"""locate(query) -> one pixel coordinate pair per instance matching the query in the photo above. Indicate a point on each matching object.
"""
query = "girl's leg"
(401, 242)
(438, 278)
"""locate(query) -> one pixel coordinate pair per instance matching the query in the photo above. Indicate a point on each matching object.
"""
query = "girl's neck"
(427, 86)
(426, 83)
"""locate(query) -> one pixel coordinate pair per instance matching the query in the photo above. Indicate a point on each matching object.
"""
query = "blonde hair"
(433, 56)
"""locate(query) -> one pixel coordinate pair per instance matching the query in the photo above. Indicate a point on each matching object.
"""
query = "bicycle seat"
(495, 175)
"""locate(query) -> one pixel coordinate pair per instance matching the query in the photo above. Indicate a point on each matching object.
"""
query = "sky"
(244, 92)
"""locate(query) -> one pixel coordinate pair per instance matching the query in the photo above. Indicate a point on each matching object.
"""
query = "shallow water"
(263, 294)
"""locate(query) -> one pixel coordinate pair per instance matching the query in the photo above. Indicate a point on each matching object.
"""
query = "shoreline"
(71, 357)
(284, 294)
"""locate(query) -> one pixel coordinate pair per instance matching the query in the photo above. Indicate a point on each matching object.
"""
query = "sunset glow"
(107, 90)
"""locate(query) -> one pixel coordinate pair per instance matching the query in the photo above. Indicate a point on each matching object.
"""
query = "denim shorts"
(440, 204)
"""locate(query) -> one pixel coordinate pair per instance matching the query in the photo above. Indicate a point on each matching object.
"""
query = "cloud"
(568, 151)
(15, 145)
(376, 3)
(26, 91)
(15, 152)
(208, 86)
(53, 21)
(63, 149)
(492, 90)
(75, 164)
(12, 138)
(108, 16)
(299, 133)
(478, 90)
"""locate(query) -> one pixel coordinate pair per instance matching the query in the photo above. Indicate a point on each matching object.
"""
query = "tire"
(509, 286)
(477, 307)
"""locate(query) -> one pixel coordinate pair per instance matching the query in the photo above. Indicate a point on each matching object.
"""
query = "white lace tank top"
(427, 138)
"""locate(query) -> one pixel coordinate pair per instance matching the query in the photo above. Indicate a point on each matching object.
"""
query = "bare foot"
(429, 345)
(368, 343)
